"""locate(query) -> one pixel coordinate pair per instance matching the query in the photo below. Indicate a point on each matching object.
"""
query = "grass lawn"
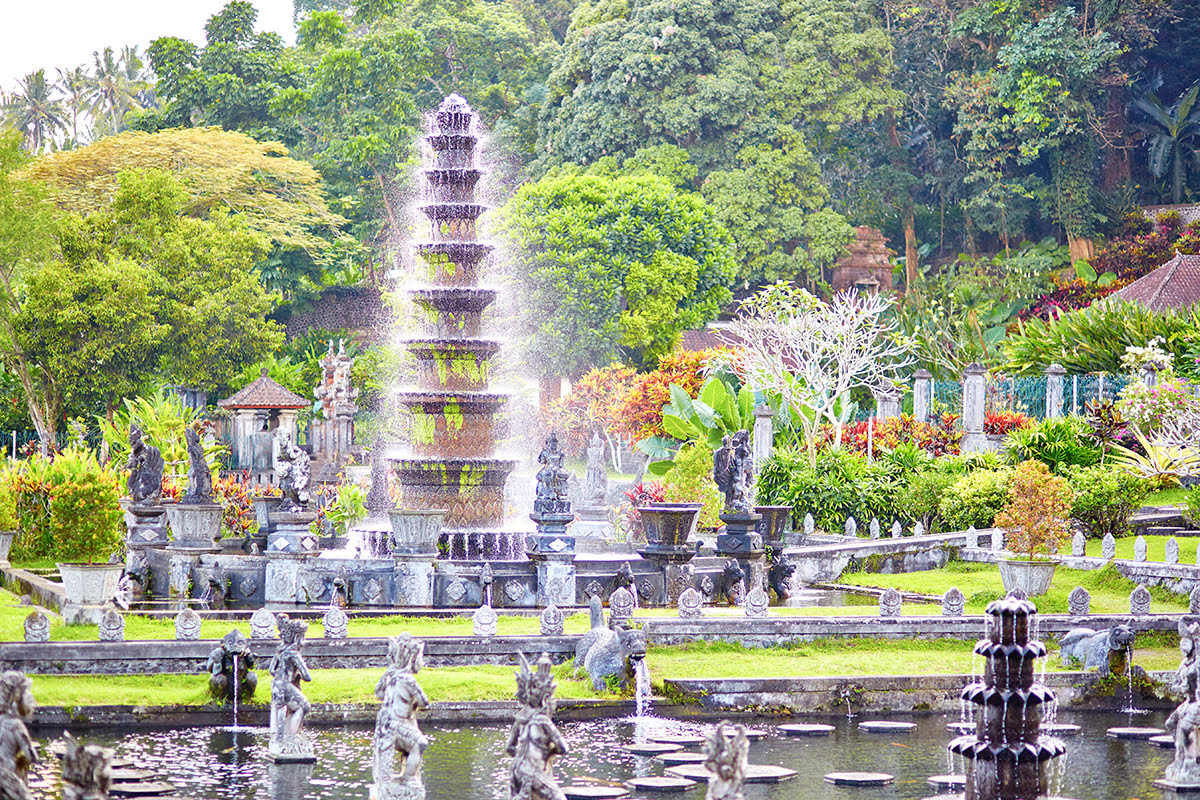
(1175, 496)
(981, 584)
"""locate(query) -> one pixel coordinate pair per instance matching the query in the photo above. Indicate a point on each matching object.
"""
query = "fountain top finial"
(454, 115)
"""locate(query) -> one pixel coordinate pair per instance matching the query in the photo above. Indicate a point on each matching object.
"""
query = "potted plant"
(1036, 522)
(85, 517)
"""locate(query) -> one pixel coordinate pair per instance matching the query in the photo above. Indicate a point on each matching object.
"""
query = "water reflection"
(468, 762)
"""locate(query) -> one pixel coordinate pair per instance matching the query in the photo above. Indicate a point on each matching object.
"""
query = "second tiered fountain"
(452, 464)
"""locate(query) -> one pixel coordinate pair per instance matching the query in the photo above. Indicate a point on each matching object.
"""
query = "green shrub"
(841, 485)
(1105, 499)
(974, 499)
(1058, 443)
(691, 481)
(1037, 515)
(922, 494)
(31, 485)
(85, 512)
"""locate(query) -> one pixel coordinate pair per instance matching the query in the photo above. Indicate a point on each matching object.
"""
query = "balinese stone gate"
(452, 464)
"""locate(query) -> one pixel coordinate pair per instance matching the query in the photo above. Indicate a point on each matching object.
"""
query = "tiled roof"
(1174, 285)
(264, 393)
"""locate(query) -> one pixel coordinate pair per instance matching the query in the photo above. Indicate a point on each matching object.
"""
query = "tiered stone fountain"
(452, 464)
(1007, 757)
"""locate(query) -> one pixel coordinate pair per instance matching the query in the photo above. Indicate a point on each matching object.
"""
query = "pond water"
(468, 763)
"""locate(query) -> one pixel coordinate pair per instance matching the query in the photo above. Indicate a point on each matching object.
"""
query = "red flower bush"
(1001, 422)
(939, 438)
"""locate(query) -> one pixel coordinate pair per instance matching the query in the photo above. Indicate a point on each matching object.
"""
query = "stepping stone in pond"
(140, 789)
(1165, 741)
(1134, 733)
(593, 792)
(681, 758)
(886, 726)
(859, 778)
(119, 775)
(652, 748)
(755, 773)
(667, 783)
(752, 734)
(1060, 729)
(948, 781)
(807, 730)
(684, 740)
(966, 727)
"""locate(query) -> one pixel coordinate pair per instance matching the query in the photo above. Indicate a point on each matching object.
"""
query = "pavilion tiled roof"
(1174, 285)
(264, 393)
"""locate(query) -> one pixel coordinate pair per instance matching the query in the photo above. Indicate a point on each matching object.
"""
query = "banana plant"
(708, 418)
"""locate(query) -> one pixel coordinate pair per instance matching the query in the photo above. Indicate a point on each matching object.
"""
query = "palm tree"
(1174, 137)
(77, 92)
(35, 111)
(116, 86)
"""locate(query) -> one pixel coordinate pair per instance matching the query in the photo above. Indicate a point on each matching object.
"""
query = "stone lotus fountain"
(453, 464)
(1007, 756)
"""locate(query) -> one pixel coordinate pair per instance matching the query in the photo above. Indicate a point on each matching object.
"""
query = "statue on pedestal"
(145, 467)
(1184, 720)
(288, 704)
(17, 750)
(200, 489)
(595, 482)
(551, 480)
(86, 770)
(733, 471)
(396, 730)
(291, 470)
(726, 757)
(533, 740)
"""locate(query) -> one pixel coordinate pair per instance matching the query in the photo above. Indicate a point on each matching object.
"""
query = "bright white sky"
(66, 32)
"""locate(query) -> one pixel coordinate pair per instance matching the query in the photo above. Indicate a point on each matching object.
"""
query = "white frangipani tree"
(812, 354)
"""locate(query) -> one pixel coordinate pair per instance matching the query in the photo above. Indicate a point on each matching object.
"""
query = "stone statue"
(17, 750)
(779, 573)
(533, 740)
(733, 471)
(86, 770)
(1184, 720)
(288, 703)
(595, 480)
(291, 470)
(551, 480)
(200, 488)
(726, 757)
(145, 467)
(1106, 650)
(396, 730)
(229, 664)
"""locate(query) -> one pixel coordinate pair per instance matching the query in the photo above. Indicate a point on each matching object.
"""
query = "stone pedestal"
(553, 553)
(551, 540)
(263, 508)
(414, 581)
(741, 541)
(887, 402)
(974, 395)
(555, 583)
(282, 580)
(145, 525)
(922, 400)
(195, 525)
(291, 532)
(1055, 375)
(764, 435)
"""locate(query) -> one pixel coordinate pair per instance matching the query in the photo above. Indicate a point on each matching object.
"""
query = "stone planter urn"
(416, 531)
(6, 540)
(90, 584)
(1032, 577)
(773, 525)
(668, 526)
(263, 507)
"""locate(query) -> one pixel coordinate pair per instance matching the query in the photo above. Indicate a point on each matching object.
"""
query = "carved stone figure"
(112, 626)
(1139, 601)
(551, 480)
(17, 749)
(37, 627)
(187, 624)
(218, 589)
(288, 704)
(690, 603)
(396, 730)
(232, 661)
(730, 582)
(1184, 720)
(552, 621)
(145, 467)
(1108, 546)
(1079, 602)
(779, 574)
(1106, 650)
(533, 740)
(890, 602)
(953, 602)
(291, 470)
(757, 600)
(733, 470)
(335, 623)
(726, 757)
(262, 624)
(595, 479)
(604, 653)
(624, 579)
(620, 607)
(86, 770)
(199, 476)
(484, 621)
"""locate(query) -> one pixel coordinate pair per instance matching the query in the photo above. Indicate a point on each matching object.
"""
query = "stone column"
(764, 436)
(921, 398)
(1054, 390)
(974, 440)
(887, 402)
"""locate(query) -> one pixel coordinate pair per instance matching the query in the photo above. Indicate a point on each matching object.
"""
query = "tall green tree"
(119, 86)
(1173, 139)
(35, 110)
(614, 266)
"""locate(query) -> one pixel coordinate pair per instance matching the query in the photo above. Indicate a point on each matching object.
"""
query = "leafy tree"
(76, 89)
(36, 111)
(745, 88)
(278, 197)
(1174, 138)
(119, 85)
(614, 265)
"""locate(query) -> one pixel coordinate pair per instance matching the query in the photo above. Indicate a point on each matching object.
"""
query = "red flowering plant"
(1001, 422)
(942, 437)
(629, 521)
(233, 492)
(596, 401)
(641, 411)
